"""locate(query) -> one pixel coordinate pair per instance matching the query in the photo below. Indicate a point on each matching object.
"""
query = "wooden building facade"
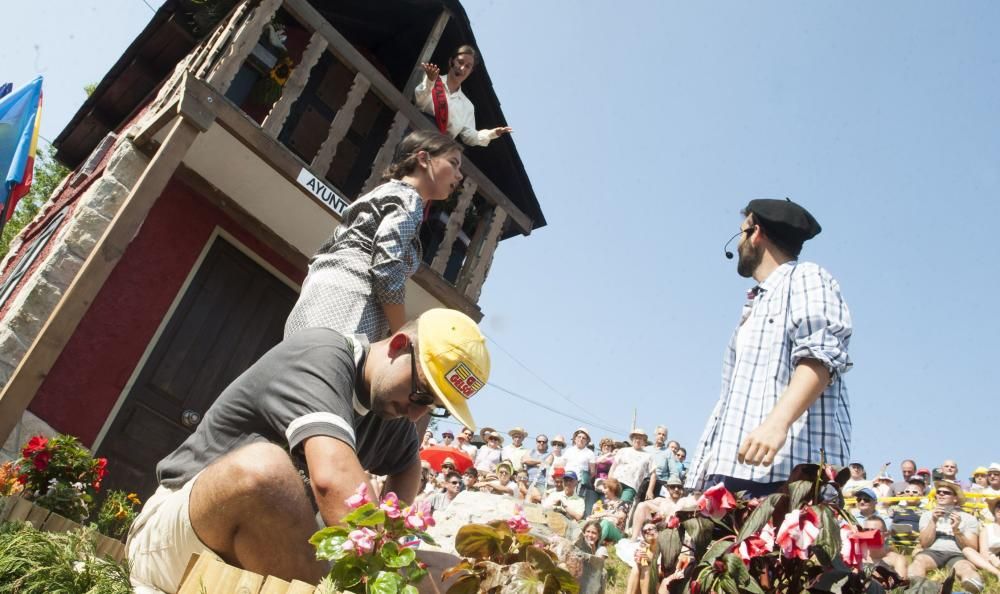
(209, 164)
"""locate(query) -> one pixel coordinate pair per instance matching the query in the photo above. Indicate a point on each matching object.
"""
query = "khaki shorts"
(161, 541)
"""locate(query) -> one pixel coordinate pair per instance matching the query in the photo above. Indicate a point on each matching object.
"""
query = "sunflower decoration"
(281, 71)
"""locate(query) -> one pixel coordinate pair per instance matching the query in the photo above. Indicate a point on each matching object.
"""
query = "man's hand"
(956, 520)
(501, 130)
(763, 444)
(431, 70)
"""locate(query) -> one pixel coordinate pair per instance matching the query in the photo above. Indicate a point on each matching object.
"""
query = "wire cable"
(557, 411)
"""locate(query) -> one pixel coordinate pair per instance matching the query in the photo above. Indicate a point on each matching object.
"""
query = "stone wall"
(39, 294)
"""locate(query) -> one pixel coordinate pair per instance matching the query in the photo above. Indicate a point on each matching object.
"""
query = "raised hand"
(431, 70)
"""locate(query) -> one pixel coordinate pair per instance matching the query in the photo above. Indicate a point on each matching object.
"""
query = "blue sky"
(644, 132)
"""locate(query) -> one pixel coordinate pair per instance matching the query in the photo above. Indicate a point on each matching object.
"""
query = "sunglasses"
(558, 443)
(541, 441)
(864, 499)
(423, 397)
(944, 493)
(649, 531)
(675, 486)
(454, 482)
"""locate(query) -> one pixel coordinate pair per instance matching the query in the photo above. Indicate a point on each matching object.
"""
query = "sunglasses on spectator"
(422, 397)
(864, 498)
(675, 486)
(911, 492)
(558, 443)
(454, 482)
(541, 441)
(944, 492)
(649, 531)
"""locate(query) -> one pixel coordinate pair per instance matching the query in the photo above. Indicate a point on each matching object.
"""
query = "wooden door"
(231, 314)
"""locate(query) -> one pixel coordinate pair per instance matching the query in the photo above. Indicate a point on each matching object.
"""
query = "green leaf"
(467, 584)
(669, 543)
(374, 518)
(478, 541)
(403, 558)
(759, 517)
(361, 512)
(327, 533)
(410, 589)
(331, 548)
(798, 491)
(462, 565)
(539, 559)
(345, 575)
(386, 582)
(699, 530)
(567, 583)
(828, 543)
(716, 550)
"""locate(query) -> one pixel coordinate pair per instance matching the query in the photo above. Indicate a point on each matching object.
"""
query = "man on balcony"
(441, 96)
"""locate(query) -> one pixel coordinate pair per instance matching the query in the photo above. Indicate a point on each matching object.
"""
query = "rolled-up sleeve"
(392, 248)
(822, 322)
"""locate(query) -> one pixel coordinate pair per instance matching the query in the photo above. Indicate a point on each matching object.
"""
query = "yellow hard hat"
(454, 359)
(980, 470)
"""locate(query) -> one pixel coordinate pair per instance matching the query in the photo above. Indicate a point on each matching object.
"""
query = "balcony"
(297, 122)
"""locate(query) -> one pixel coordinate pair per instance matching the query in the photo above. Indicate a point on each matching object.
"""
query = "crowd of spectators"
(621, 493)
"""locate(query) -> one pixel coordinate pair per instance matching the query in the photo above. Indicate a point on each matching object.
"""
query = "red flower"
(798, 532)
(695, 587)
(757, 545)
(855, 545)
(36, 444)
(102, 469)
(42, 460)
(673, 522)
(716, 502)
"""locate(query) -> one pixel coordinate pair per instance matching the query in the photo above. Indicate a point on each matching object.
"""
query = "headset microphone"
(729, 254)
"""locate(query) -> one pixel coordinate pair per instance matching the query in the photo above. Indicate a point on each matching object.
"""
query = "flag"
(20, 118)
(5, 89)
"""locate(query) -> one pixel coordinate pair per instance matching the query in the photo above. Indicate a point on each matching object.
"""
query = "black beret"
(785, 216)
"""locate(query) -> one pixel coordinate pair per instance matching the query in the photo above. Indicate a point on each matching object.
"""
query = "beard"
(750, 259)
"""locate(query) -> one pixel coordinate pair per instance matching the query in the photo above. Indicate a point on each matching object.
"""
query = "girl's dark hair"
(581, 542)
(431, 141)
(466, 50)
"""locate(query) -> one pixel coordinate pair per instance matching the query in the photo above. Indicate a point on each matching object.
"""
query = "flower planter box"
(206, 573)
(18, 509)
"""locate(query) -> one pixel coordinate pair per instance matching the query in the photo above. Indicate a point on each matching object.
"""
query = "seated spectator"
(645, 554)
(992, 479)
(944, 532)
(566, 501)
(590, 540)
(906, 514)
(907, 469)
(448, 439)
(556, 459)
(660, 507)
(515, 452)
(985, 555)
(980, 480)
(447, 466)
(611, 512)
(428, 440)
(501, 485)
(470, 479)
(489, 455)
(949, 472)
(452, 485)
(538, 493)
(925, 474)
(534, 462)
(859, 479)
(441, 96)
(428, 478)
(865, 508)
(631, 465)
(465, 443)
(682, 464)
(884, 555)
(605, 459)
(521, 480)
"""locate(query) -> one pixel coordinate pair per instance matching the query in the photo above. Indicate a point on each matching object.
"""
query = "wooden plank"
(484, 260)
(19, 511)
(444, 292)
(428, 50)
(57, 523)
(194, 578)
(454, 225)
(341, 124)
(248, 582)
(37, 516)
(220, 39)
(297, 80)
(384, 155)
(35, 365)
(346, 52)
(273, 585)
(298, 587)
(242, 44)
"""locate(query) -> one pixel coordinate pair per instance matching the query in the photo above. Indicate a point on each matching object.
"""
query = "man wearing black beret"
(783, 398)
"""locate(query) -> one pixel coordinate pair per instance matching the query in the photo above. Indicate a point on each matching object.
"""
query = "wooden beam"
(442, 290)
(385, 153)
(480, 265)
(341, 124)
(428, 50)
(42, 355)
(454, 225)
(297, 80)
(381, 86)
(242, 44)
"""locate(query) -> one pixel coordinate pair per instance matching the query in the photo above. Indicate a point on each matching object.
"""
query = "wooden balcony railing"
(218, 60)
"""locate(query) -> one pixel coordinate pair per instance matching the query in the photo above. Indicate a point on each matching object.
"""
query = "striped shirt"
(797, 314)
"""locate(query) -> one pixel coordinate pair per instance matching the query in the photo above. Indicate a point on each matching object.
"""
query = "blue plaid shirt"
(797, 314)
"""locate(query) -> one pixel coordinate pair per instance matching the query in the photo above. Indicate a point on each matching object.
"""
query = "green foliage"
(48, 174)
(117, 513)
(35, 562)
(61, 475)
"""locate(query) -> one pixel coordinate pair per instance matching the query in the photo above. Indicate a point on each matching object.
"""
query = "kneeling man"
(297, 433)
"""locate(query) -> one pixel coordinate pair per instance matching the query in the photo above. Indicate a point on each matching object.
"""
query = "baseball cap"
(867, 491)
(570, 475)
(454, 359)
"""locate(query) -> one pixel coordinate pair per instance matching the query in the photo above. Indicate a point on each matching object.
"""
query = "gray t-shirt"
(945, 539)
(301, 388)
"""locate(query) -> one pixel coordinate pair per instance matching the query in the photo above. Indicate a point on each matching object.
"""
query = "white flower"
(79, 566)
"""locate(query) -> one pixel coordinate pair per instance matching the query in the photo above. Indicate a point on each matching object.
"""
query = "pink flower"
(390, 505)
(798, 532)
(855, 545)
(716, 502)
(673, 522)
(361, 541)
(418, 517)
(359, 498)
(758, 544)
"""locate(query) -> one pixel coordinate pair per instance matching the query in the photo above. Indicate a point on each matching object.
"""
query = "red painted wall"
(92, 370)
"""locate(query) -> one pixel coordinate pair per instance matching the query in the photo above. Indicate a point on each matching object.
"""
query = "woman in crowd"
(556, 458)
(980, 480)
(638, 578)
(986, 557)
(428, 440)
(590, 540)
(605, 459)
(501, 485)
(489, 455)
(612, 512)
(357, 279)
(523, 488)
(470, 479)
(631, 464)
